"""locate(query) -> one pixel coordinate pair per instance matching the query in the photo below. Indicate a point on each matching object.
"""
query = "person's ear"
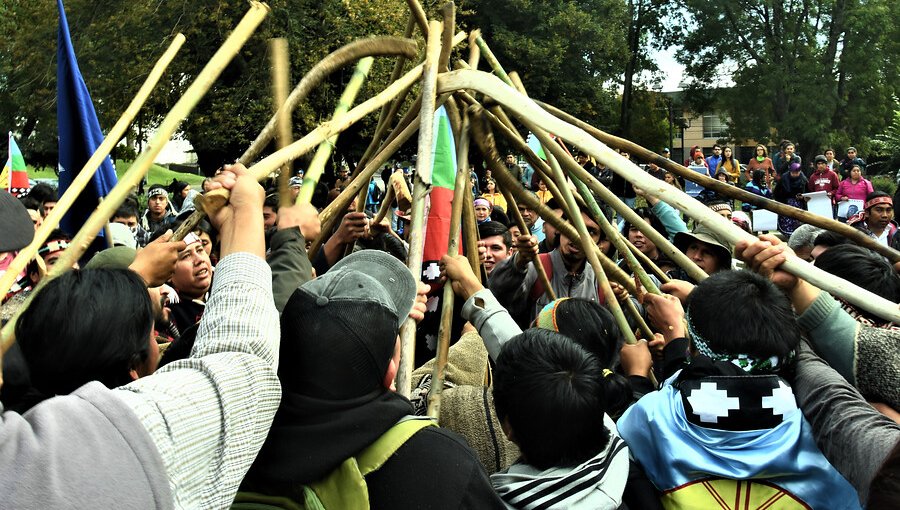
(392, 368)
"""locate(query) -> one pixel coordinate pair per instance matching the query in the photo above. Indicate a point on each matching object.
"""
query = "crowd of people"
(233, 368)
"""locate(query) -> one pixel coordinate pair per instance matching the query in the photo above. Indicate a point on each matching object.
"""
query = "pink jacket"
(856, 191)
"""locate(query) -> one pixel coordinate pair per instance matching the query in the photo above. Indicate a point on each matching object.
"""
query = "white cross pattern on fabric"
(782, 400)
(432, 272)
(710, 403)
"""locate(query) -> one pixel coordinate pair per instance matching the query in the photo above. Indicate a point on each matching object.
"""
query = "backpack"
(345, 487)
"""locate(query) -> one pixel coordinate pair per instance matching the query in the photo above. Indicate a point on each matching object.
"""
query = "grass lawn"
(157, 174)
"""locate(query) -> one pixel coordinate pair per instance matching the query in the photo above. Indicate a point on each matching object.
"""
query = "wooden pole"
(521, 106)
(470, 233)
(421, 188)
(90, 168)
(523, 228)
(375, 46)
(317, 166)
(725, 189)
(485, 140)
(141, 165)
(281, 78)
(443, 345)
(216, 199)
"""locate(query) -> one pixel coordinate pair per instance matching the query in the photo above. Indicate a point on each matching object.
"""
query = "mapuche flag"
(79, 133)
(14, 177)
(443, 177)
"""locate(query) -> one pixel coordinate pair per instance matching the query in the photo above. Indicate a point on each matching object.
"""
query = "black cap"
(16, 227)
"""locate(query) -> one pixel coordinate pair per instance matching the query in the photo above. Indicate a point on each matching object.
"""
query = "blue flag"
(79, 133)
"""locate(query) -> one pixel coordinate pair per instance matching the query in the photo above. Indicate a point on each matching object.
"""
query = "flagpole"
(141, 165)
(90, 168)
(421, 189)
(443, 345)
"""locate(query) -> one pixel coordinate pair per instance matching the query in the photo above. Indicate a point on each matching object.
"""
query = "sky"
(671, 70)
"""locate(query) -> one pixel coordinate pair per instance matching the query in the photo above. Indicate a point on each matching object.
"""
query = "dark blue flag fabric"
(79, 133)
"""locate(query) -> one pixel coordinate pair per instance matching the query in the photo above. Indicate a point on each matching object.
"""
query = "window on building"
(713, 126)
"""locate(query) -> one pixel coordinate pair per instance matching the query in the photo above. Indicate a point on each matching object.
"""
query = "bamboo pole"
(524, 107)
(725, 189)
(216, 199)
(141, 165)
(611, 232)
(470, 233)
(281, 77)
(90, 168)
(523, 228)
(662, 243)
(443, 345)
(485, 140)
(419, 14)
(421, 188)
(317, 166)
(584, 239)
(375, 46)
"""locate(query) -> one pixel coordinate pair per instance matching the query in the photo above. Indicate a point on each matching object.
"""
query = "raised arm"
(208, 415)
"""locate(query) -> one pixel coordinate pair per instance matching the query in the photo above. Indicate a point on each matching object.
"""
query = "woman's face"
(760, 151)
(727, 153)
(542, 186)
(670, 178)
(482, 212)
(855, 173)
(491, 186)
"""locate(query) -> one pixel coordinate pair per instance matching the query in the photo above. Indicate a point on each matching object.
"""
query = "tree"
(568, 52)
(817, 73)
(118, 42)
(652, 24)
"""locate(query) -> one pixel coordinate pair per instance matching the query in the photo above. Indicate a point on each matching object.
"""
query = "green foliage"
(884, 183)
(818, 73)
(568, 53)
(118, 42)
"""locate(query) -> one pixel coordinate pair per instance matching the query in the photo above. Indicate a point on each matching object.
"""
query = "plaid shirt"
(209, 415)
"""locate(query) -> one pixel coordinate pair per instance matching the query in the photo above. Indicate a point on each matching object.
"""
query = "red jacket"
(824, 181)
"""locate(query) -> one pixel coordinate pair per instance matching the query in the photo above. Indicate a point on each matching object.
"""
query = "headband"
(157, 191)
(745, 362)
(53, 247)
(879, 200)
(484, 202)
(547, 318)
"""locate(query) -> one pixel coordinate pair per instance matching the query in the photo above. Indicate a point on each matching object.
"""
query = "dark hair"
(499, 215)
(740, 312)
(202, 226)
(551, 392)
(591, 326)
(86, 325)
(829, 238)
(758, 176)
(43, 192)
(32, 203)
(495, 228)
(127, 209)
(862, 267)
(651, 218)
(553, 204)
(271, 201)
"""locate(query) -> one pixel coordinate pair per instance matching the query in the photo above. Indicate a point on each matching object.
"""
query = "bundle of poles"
(479, 104)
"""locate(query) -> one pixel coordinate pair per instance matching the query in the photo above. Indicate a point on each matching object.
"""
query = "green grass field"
(157, 174)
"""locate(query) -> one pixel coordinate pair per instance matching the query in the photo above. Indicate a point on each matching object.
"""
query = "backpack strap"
(345, 487)
(537, 289)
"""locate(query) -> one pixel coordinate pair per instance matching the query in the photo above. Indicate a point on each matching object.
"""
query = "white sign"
(818, 202)
(764, 221)
(692, 188)
(848, 208)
